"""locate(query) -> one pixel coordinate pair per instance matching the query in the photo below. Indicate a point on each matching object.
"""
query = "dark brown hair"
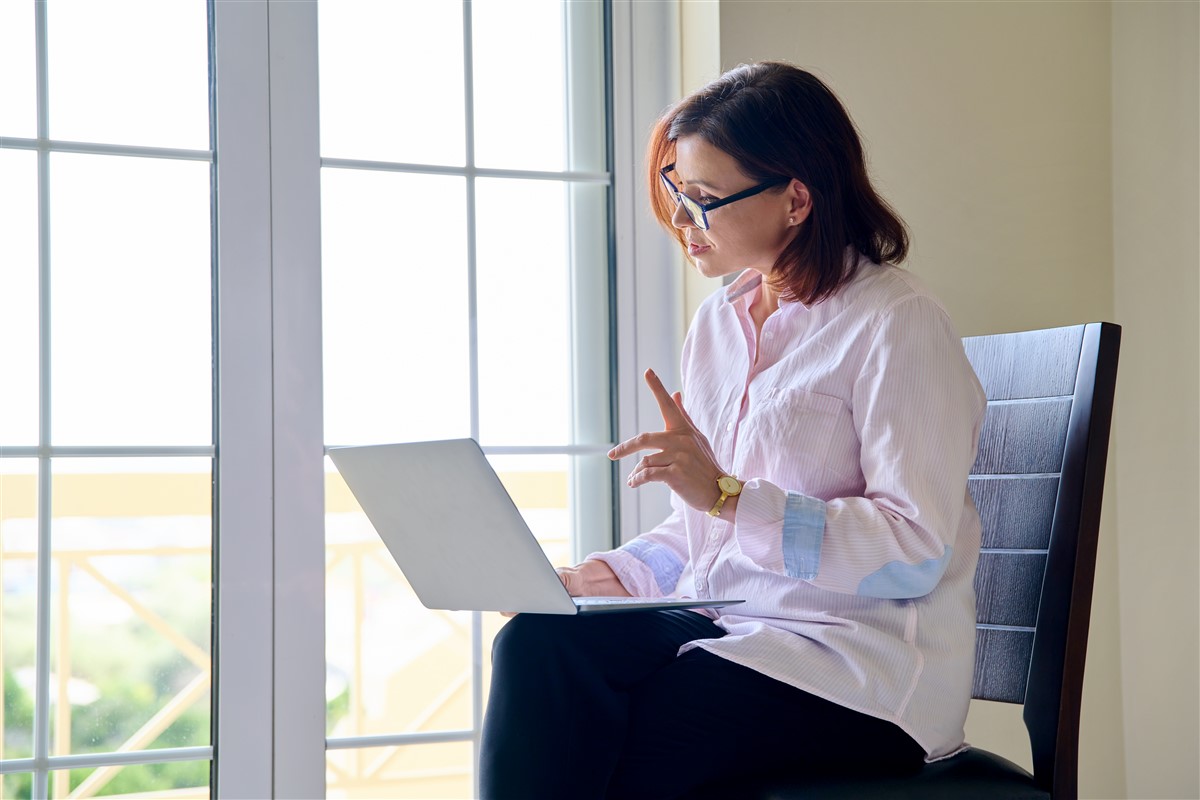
(777, 120)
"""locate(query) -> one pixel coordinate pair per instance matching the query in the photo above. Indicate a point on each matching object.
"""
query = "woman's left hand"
(683, 458)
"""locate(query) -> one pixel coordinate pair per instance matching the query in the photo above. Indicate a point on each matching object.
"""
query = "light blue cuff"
(803, 532)
(662, 561)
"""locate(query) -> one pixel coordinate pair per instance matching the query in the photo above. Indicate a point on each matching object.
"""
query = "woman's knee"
(528, 636)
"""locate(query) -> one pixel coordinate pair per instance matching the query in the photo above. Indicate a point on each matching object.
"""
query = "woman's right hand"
(592, 578)
(589, 579)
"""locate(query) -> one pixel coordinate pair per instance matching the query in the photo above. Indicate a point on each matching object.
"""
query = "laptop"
(457, 535)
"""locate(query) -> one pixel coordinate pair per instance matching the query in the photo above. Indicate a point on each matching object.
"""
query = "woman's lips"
(696, 249)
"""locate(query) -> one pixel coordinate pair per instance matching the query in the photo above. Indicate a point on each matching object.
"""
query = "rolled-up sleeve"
(650, 564)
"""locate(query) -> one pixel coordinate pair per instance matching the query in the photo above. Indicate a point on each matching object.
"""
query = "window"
(106, 435)
(118, 197)
(465, 281)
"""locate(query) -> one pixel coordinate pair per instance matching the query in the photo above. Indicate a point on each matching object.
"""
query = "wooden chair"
(1038, 483)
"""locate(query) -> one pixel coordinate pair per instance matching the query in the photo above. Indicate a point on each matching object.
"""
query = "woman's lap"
(683, 735)
(602, 706)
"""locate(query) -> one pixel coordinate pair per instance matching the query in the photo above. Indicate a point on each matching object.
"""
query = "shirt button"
(729, 427)
(714, 535)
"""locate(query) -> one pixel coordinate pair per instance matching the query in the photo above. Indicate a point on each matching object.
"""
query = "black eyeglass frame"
(698, 212)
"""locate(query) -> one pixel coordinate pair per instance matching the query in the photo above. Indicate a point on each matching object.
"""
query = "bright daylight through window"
(465, 279)
(106, 435)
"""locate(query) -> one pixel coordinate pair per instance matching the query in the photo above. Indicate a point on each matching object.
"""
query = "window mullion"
(649, 299)
(243, 567)
(41, 702)
(297, 416)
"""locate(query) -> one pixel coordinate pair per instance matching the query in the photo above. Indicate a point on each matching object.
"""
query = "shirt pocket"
(804, 437)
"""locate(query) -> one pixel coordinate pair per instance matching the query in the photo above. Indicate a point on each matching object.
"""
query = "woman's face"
(748, 233)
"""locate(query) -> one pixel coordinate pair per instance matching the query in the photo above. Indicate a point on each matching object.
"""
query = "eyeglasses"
(698, 212)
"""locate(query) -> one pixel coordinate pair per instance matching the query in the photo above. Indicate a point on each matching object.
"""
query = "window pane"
(522, 117)
(565, 500)
(129, 72)
(17, 785)
(416, 772)
(18, 582)
(132, 595)
(393, 665)
(539, 486)
(131, 301)
(18, 295)
(18, 109)
(519, 90)
(394, 278)
(392, 81)
(524, 313)
(178, 780)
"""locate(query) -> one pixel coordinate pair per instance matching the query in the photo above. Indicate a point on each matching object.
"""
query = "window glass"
(409, 772)
(519, 91)
(185, 780)
(132, 576)
(133, 72)
(18, 89)
(392, 81)
(131, 308)
(539, 105)
(395, 307)
(18, 611)
(18, 297)
(524, 313)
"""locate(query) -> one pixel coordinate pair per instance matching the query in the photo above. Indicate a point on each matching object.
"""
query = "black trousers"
(601, 707)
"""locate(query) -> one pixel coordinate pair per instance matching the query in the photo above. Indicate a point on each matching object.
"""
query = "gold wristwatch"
(730, 487)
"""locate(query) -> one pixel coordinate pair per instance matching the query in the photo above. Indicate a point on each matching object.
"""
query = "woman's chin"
(705, 266)
(708, 269)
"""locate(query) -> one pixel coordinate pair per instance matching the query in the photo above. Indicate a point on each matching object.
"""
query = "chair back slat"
(1023, 437)
(1016, 510)
(1013, 366)
(1001, 664)
(1007, 588)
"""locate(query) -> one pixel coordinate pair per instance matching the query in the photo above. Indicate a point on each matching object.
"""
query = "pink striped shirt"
(853, 424)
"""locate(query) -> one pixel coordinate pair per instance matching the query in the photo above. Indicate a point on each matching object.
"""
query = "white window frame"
(269, 653)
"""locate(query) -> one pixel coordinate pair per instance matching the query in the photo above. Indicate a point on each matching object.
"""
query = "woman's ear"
(800, 202)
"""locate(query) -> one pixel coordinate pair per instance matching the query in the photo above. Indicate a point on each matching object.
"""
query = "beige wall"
(998, 129)
(1156, 215)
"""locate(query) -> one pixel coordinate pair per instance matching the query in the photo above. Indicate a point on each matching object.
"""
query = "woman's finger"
(671, 415)
(640, 477)
(678, 398)
(659, 459)
(651, 440)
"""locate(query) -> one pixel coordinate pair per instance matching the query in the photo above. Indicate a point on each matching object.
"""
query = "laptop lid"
(457, 535)
(451, 526)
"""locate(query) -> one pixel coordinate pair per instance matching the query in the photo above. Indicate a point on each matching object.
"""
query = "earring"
(791, 220)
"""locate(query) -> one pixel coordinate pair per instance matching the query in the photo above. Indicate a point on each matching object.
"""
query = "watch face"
(729, 485)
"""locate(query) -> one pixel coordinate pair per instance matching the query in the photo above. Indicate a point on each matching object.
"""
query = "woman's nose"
(680, 218)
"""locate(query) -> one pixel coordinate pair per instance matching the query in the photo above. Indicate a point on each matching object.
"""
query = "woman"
(818, 461)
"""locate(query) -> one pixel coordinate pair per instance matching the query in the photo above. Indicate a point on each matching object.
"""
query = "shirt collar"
(750, 279)
(746, 283)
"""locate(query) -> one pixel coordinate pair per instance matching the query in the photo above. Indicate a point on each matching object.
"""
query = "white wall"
(998, 130)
